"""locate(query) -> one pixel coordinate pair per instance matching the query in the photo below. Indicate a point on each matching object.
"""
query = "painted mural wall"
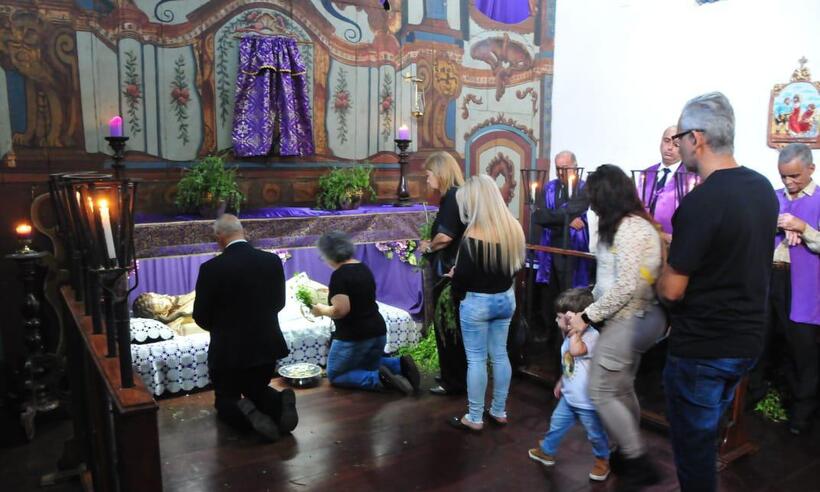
(169, 68)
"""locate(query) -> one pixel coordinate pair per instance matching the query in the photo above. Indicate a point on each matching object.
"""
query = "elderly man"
(660, 182)
(716, 279)
(238, 297)
(796, 279)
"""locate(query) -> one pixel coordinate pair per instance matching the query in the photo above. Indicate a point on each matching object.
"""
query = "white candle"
(106, 225)
(571, 180)
(533, 187)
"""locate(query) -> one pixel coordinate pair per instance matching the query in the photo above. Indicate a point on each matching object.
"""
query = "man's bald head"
(227, 228)
(670, 154)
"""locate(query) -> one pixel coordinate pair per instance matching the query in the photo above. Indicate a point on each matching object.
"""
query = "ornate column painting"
(169, 69)
(793, 115)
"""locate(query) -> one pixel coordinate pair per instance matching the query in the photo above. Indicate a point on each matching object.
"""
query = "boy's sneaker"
(600, 470)
(541, 457)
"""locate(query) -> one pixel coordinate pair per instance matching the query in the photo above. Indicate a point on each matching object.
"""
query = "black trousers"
(252, 383)
(801, 362)
(452, 358)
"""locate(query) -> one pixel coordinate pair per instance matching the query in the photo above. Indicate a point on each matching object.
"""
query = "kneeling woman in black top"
(356, 358)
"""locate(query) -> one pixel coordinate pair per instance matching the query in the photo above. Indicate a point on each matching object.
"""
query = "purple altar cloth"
(279, 212)
(275, 228)
(506, 11)
(398, 284)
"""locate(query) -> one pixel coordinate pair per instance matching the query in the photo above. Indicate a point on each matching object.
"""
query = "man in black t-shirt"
(716, 280)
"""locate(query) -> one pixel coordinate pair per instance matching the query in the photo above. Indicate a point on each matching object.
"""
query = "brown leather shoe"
(600, 470)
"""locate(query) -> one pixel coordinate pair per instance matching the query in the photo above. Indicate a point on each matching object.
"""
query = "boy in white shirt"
(571, 390)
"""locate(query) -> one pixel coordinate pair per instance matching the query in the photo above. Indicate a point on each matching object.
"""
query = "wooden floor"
(353, 440)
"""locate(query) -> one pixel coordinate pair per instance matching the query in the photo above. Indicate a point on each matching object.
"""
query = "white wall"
(624, 69)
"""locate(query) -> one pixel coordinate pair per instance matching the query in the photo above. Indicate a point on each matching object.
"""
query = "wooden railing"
(115, 428)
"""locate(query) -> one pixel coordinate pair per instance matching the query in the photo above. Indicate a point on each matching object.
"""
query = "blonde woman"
(444, 175)
(490, 254)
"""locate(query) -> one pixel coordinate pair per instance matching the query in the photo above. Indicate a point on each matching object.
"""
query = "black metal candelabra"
(114, 282)
(403, 196)
(117, 144)
(40, 397)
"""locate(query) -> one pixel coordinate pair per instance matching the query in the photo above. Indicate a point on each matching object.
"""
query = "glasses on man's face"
(676, 137)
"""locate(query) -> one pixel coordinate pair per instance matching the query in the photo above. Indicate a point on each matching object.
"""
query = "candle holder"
(571, 178)
(117, 144)
(684, 183)
(40, 396)
(646, 184)
(24, 238)
(403, 196)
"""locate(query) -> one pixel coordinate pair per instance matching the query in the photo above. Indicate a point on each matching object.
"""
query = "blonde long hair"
(487, 217)
(446, 169)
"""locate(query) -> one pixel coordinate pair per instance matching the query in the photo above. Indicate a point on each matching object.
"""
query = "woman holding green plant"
(356, 358)
(444, 175)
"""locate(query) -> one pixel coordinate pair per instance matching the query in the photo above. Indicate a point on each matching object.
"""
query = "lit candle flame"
(23, 230)
(533, 187)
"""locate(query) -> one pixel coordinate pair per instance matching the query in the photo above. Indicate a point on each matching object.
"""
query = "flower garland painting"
(341, 104)
(386, 107)
(180, 97)
(132, 92)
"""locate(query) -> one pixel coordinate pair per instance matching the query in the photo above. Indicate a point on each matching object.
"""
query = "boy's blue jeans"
(698, 391)
(355, 364)
(563, 418)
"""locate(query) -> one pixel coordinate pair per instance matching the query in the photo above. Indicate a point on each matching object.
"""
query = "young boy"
(571, 390)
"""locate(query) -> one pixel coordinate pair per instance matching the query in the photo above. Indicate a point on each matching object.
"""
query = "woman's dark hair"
(613, 196)
(573, 300)
(336, 246)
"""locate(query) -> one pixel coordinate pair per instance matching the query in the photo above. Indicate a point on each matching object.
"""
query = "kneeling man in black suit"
(238, 296)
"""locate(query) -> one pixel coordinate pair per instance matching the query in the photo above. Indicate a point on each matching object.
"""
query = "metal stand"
(403, 196)
(117, 144)
(114, 282)
(40, 398)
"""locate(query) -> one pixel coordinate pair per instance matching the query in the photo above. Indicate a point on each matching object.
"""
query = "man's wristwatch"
(586, 318)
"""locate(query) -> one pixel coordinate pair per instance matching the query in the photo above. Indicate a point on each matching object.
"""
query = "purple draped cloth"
(805, 265)
(578, 241)
(667, 202)
(398, 284)
(271, 89)
(506, 11)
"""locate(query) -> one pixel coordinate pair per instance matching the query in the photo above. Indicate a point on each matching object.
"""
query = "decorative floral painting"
(793, 115)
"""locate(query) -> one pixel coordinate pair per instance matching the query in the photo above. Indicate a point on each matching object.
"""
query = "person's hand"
(793, 238)
(789, 222)
(667, 238)
(423, 245)
(577, 224)
(557, 390)
(576, 324)
(318, 309)
(451, 272)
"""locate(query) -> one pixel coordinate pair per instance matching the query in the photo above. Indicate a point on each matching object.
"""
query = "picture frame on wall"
(793, 110)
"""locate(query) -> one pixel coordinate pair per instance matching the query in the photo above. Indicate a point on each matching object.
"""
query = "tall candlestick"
(106, 225)
(403, 133)
(115, 126)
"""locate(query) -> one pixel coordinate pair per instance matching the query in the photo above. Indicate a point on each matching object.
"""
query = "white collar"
(236, 241)
(672, 169)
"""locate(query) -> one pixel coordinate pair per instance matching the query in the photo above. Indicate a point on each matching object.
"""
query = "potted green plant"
(344, 188)
(209, 187)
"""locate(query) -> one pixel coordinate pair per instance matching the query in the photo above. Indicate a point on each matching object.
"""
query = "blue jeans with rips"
(562, 420)
(698, 392)
(355, 364)
(485, 322)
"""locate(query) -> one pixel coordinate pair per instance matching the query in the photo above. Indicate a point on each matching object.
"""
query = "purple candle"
(403, 133)
(115, 126)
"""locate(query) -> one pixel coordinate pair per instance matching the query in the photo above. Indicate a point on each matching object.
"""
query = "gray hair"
(570, 154)
(336, 246)
(713, 114)
(228, 225)
(793, 151)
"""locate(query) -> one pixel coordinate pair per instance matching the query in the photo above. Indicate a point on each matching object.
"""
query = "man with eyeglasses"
(661, 200)
(716, 279)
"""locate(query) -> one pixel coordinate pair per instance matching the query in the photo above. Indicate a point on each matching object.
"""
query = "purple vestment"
(271, 88)
(578, 241)
(805, 265)
(667, 202)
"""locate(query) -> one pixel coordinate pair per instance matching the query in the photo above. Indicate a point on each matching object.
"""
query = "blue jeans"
(563, 418)
(485, 322)
(355, 364)
(698, 391)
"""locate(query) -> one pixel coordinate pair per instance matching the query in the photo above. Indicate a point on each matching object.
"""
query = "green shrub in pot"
(209, 187)
(344, 188)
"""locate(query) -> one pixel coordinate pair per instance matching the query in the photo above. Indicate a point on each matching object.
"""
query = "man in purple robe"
(564, 220)
(795, 284)
(660, 183)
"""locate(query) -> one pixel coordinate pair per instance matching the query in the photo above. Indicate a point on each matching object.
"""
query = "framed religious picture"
(793, 106)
